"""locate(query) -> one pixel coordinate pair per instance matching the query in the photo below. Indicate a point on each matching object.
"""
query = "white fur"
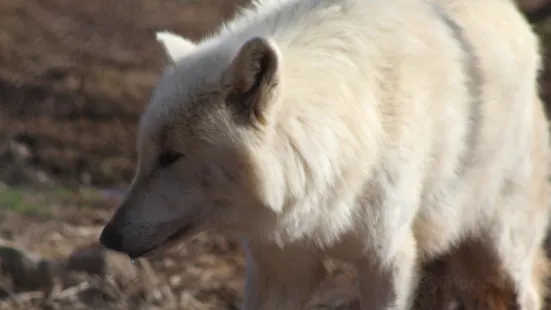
(359, 156)
(174, 45)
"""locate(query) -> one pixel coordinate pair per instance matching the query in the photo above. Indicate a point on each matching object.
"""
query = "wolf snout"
(111, 238)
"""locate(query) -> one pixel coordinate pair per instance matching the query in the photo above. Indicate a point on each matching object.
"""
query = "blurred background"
(74, 79)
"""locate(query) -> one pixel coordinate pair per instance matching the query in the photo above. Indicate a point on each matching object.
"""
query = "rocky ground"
(49, 259)
(74, 78)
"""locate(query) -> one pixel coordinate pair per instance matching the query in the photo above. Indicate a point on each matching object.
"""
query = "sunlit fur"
(381, 132)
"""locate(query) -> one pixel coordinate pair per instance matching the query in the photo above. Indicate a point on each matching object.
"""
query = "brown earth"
(206, 273)
(74, 78)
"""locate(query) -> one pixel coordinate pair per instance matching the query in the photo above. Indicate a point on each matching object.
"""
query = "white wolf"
(381, 132)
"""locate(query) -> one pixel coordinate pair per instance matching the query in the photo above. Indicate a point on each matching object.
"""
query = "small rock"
(175, 280)
(20, 151)
(22, 271)
(96, 260)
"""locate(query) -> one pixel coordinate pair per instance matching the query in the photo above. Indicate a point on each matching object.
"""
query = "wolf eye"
(168, 158)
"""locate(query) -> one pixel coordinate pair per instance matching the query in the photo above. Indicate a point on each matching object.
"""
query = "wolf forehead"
(188, 96)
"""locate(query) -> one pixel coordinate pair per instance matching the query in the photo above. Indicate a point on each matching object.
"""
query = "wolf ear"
(174, 46)
(251, 79)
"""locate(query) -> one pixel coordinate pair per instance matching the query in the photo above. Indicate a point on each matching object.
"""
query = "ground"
(206, 273)
(74, 78)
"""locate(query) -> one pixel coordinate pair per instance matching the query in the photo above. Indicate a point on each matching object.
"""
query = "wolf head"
(212, 109)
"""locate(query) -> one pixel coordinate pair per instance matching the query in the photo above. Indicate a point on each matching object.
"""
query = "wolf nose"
(111, 238)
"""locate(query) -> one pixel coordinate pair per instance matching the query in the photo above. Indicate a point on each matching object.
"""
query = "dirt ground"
(57, 225)
(74, 78)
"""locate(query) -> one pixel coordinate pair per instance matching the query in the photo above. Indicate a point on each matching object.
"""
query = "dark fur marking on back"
(474, 86)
